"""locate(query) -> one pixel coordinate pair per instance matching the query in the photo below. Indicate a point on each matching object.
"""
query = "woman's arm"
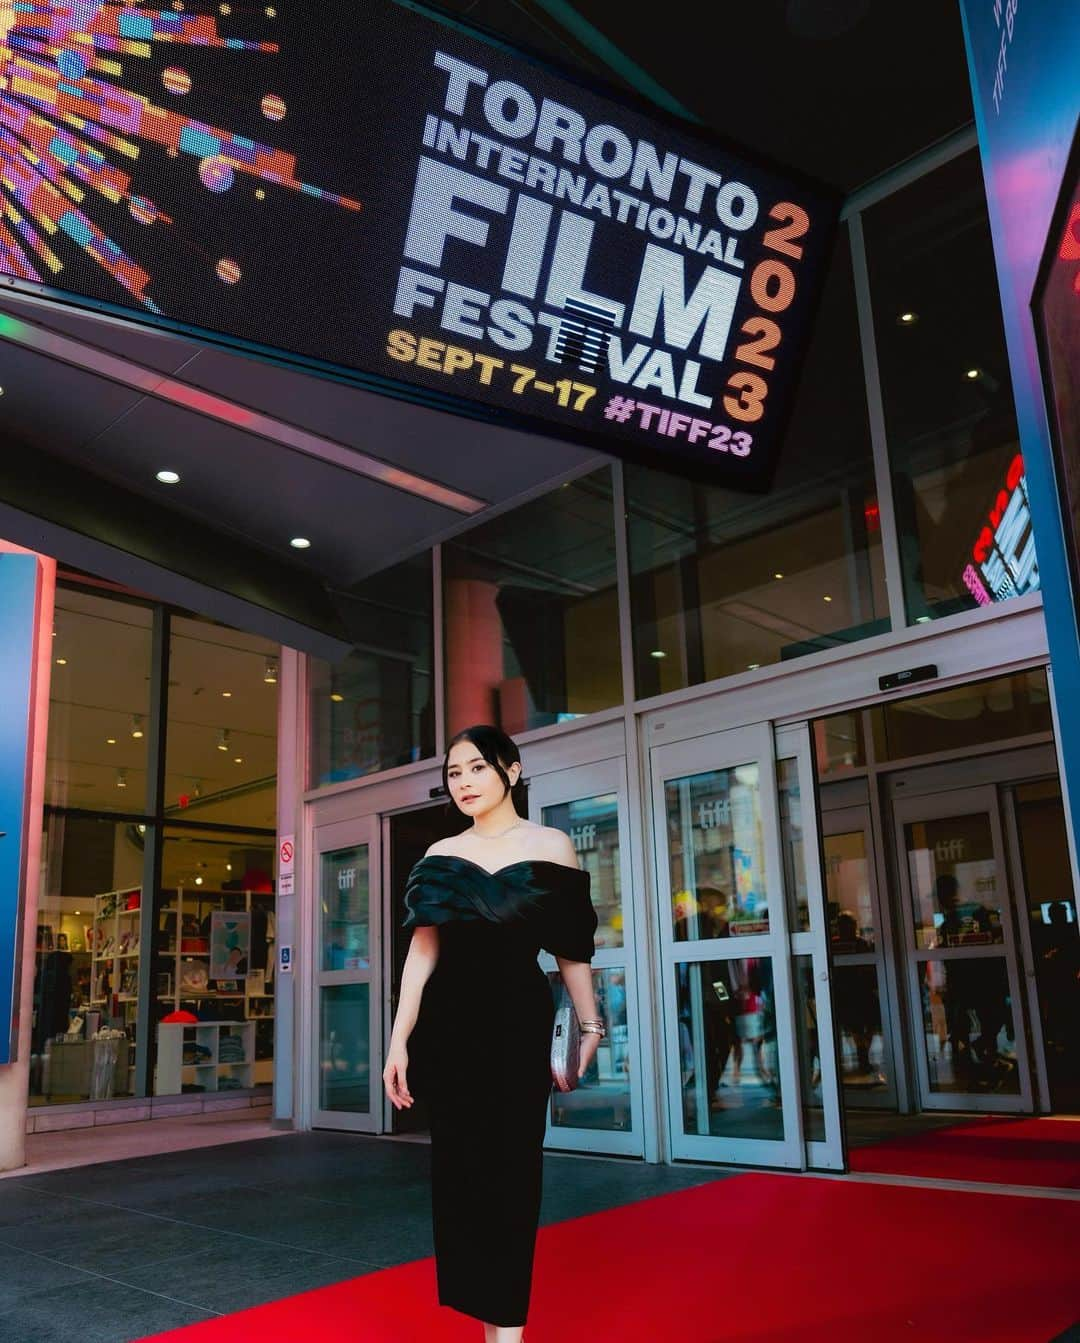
(577, 976)
(419, 963)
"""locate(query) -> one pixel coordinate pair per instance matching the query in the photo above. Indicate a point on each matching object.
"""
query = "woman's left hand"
(589, 1045)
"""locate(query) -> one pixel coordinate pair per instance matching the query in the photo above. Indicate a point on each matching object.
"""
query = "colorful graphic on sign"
(484, 229)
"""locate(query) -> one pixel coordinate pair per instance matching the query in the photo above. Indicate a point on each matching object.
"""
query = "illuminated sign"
(1003, 560)
(388, 196)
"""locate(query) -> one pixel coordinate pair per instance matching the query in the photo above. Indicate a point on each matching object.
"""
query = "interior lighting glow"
(137, 726)
(300, 543)
(198, 881)
(658, 653)
(226, 694)
(908, 318)
(223, 739)
(270, 672)
(337, 698)
(778, 575)
(972, 373)
(61, 662)
(826, 598)
(121, 778)
(238, 759)
(110, 741)
(169, 477)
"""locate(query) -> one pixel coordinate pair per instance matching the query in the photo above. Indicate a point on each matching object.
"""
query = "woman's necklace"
(478, 834)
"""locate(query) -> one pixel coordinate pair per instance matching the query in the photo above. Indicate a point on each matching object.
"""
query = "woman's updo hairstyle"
(500, 751)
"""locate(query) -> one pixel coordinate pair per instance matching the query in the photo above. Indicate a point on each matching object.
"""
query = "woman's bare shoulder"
(555, 846)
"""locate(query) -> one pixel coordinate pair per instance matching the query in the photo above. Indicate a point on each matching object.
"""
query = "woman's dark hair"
(499, 750)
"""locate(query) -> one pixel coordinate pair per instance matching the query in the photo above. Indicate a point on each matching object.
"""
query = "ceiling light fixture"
(826, 598)
(270, 672)
(136, 726)
(337, 698)
(908, 318)
(228, 867)
(110, 741)
(198, 881)
(226, 694)
(658, 653)
(223, 739)
(121, 778)
(972, 373)
(778, 575)
(238, 759)
(61, 662)
(168, 477)
(300, 543)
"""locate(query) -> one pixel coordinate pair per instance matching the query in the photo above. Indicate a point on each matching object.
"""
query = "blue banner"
(18, 601)
(1024, 61)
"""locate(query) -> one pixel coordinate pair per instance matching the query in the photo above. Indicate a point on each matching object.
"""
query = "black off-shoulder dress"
(479, 1055)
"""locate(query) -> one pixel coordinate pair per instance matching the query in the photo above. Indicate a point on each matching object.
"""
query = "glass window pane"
(99, 703)
(531, 612)
(959, 493)
(727, 1047)
(968, 1021)
(88, 958)
(806, 1033)
(723, 582)
(344, 910)
(956, 890)
(838, 744)
(848, 893)
(345, 1049)
(857, 1005)
(221, 736)
(963, 716)
(601, 1099)
(214, 954)
(716, 850)
(791, 844)
(376, 709)
(593, 824)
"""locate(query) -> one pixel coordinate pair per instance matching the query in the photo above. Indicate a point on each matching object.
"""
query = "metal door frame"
(569, 785)
(358, 832)
(937, 806)
(827, 1154)
(682, 759)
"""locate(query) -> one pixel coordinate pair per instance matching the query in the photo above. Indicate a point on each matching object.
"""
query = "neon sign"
(1003, 560)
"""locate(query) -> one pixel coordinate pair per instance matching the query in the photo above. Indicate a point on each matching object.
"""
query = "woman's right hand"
(394, 1078)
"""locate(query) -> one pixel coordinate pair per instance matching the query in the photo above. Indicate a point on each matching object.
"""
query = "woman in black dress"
(472, 1035)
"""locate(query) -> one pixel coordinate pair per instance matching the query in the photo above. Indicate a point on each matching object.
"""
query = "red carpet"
(1039, 1152)
(752, 1259)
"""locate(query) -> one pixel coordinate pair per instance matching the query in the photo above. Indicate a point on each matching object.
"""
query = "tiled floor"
(112, 1142)
(113, 1251)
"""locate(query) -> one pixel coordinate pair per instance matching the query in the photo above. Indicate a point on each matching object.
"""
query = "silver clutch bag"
(565, 1045)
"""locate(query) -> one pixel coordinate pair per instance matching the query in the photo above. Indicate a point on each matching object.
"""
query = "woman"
(476, 1012)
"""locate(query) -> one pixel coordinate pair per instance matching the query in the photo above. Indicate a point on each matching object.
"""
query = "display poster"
(230, 944)
(385, 193)
(18, 600)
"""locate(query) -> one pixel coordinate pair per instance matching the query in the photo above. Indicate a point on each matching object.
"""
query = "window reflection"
(593, 825)
(602, 1098)
(724, 582)
(531, 612)
(959, 497)
(717, 856)
(728, 1050)
(968, 1020)
(376, 709)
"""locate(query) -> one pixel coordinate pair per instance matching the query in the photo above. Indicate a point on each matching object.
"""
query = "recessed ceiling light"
(270, 671)
(908, 318)
(110, 741)
(337, 698)
(238, 759)
(223, 739)
(198, 881)
(61, 662)
(826, 599)
(169, 477)
(972, 373)
(136, 725)
(226, 694)
(300, 543)
(121, 778)
(228, 867)
(658, 653)
(778, 575)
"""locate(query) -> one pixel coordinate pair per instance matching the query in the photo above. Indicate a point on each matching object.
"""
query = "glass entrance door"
(734, 1027)
(604, 1113)
(347, 1089)
(961, 953)
(857, 933)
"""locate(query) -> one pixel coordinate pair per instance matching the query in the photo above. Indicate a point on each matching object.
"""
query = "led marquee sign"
(392, 197)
